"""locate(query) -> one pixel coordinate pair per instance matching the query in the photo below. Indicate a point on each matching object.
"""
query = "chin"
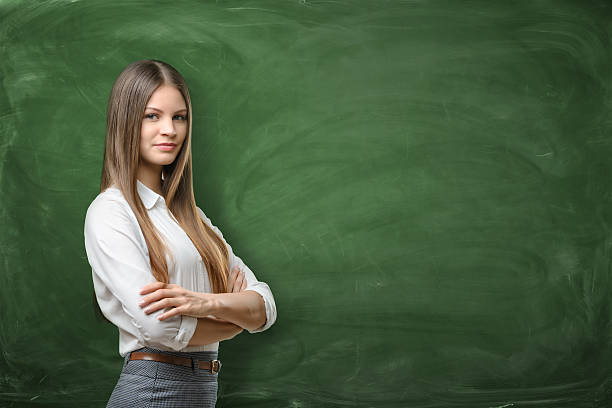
(165, 162)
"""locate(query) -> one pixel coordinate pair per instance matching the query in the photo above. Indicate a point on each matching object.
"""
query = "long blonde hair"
(126, 105)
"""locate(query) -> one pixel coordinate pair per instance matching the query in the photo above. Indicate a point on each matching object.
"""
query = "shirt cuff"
(186, 331)
(270, 309)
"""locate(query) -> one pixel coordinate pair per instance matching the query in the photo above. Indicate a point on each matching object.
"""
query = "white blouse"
(120, 266)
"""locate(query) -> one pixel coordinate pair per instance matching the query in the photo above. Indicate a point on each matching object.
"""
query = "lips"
(166, 147)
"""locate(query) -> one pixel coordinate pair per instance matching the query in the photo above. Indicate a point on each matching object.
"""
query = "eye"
(180, 117)
(150, 115)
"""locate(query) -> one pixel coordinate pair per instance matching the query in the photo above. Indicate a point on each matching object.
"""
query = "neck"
(151, 177)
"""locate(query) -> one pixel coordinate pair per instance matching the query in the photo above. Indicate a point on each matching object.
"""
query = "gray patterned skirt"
(154, 384)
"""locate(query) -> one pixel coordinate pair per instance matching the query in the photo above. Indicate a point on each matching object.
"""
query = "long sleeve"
(120, 264)
(253, 284)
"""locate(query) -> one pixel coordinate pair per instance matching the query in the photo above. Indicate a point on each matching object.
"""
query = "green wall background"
(423, 184)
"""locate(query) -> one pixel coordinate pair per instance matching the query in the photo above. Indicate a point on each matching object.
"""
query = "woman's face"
(164, 122)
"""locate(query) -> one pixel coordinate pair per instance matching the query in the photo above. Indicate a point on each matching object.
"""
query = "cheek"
(182, 134)
(146, 134)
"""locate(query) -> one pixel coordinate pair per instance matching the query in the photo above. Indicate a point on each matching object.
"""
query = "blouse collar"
(148, 196)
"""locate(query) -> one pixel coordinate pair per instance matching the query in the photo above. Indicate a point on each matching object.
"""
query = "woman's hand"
(160, 295)
(237, 281)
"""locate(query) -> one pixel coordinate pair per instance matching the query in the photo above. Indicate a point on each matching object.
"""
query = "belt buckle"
(215, 366)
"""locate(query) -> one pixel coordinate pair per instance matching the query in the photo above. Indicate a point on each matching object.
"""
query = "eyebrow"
(159, 110)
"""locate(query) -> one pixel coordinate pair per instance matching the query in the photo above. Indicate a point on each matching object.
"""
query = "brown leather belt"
(213, 365)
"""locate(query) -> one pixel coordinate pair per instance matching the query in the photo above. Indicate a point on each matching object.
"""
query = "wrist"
(215, 304)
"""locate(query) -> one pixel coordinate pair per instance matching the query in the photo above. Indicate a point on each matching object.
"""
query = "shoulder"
(201, 212)
(203, 216)
(209, 222)
(109, 207)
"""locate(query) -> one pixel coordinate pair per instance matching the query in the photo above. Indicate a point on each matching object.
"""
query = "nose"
(168, 128)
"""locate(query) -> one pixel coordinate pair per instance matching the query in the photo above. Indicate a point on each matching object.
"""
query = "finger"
(244, 285)
(159, 294)
(151, 287)
(172, 312)
(232, 278)
(166, 302)
(238, 282)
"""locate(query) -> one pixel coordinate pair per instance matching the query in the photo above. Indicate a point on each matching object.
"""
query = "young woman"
(162, 272)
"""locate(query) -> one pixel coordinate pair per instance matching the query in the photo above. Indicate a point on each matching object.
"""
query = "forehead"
(166, 97)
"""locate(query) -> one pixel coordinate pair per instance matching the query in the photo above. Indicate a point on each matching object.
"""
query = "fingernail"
(142, 302)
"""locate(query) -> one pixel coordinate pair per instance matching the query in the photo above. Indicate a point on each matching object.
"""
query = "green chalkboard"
(424, 185)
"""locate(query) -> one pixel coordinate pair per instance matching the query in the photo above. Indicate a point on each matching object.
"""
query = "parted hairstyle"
(126, 105)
